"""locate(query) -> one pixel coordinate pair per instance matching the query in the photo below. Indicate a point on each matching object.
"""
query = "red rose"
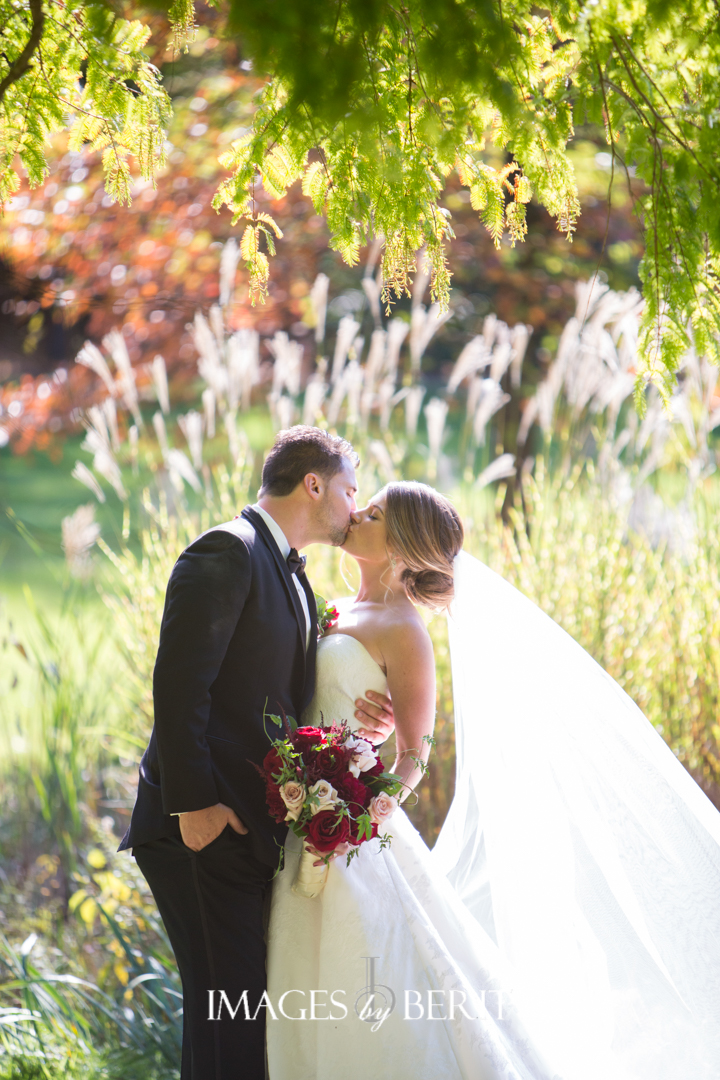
(305, 739)
(272, 762)
(326, 832)
(352, 790)
(313, 734)
(276, 806)
(330, 763)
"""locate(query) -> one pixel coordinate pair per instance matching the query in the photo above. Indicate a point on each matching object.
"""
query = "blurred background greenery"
(518, 405)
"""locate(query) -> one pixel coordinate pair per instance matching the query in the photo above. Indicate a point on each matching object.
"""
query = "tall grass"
(108, 1002)
(54, 733)
(649, 615)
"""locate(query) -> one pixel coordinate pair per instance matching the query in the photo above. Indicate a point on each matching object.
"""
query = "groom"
(237, 640)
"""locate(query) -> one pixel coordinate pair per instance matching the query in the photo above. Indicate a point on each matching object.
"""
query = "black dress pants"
(211, 903)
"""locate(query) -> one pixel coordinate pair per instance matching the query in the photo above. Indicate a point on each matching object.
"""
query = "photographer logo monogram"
(373, 1004)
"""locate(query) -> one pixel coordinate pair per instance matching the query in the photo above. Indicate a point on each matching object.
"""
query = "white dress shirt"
(284, 547)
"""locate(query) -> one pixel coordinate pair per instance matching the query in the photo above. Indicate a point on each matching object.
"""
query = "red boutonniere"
(327, 615)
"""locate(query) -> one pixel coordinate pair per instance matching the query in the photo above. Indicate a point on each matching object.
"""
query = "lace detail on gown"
(392, 906)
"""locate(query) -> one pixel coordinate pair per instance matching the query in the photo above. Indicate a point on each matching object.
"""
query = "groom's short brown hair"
(301, 450)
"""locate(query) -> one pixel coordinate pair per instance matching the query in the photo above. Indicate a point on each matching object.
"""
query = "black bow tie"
(296, 563)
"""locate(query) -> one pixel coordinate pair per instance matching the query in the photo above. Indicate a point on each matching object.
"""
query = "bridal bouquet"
(332, 789)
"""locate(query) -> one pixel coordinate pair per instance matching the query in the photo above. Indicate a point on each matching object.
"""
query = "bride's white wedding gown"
(572, 897)
(430, 959)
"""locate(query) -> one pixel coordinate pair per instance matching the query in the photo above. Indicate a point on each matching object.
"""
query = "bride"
(566, 924)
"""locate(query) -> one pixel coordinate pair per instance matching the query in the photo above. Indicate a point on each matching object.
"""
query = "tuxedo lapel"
(261, 528)
(312, 647)
(312, 605)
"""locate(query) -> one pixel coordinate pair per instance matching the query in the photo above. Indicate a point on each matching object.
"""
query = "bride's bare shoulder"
(404, 636)
(341, 601)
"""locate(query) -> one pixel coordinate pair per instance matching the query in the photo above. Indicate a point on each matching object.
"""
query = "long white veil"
(581, 845)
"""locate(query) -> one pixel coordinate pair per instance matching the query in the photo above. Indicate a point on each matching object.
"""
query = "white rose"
(381, 808)
(363, 759)
(326, 794)
(354, 743)
(293, 795)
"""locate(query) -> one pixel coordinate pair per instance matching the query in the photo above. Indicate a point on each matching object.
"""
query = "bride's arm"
(410, 664)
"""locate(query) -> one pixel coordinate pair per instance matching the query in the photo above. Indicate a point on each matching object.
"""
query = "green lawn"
(39, 493)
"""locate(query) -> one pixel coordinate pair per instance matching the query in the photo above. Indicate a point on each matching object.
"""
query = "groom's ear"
(314, 485)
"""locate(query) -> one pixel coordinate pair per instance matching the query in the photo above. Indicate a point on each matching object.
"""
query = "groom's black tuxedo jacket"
(232, 646)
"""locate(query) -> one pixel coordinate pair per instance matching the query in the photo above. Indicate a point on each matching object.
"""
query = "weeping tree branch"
(21, 63)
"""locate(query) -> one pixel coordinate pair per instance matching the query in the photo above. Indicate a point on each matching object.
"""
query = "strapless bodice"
(344, 671)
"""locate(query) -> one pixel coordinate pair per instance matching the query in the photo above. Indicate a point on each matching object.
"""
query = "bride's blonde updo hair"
(424, 530)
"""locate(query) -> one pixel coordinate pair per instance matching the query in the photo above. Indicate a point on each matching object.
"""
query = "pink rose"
(325, 794)
(293, 795)
(381, 808)
(364, 757)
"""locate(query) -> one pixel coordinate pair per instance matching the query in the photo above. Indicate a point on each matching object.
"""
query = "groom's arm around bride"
(237, 641)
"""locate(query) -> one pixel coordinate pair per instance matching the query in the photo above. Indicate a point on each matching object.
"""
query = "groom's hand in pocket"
(200, 827)
(375, 715)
